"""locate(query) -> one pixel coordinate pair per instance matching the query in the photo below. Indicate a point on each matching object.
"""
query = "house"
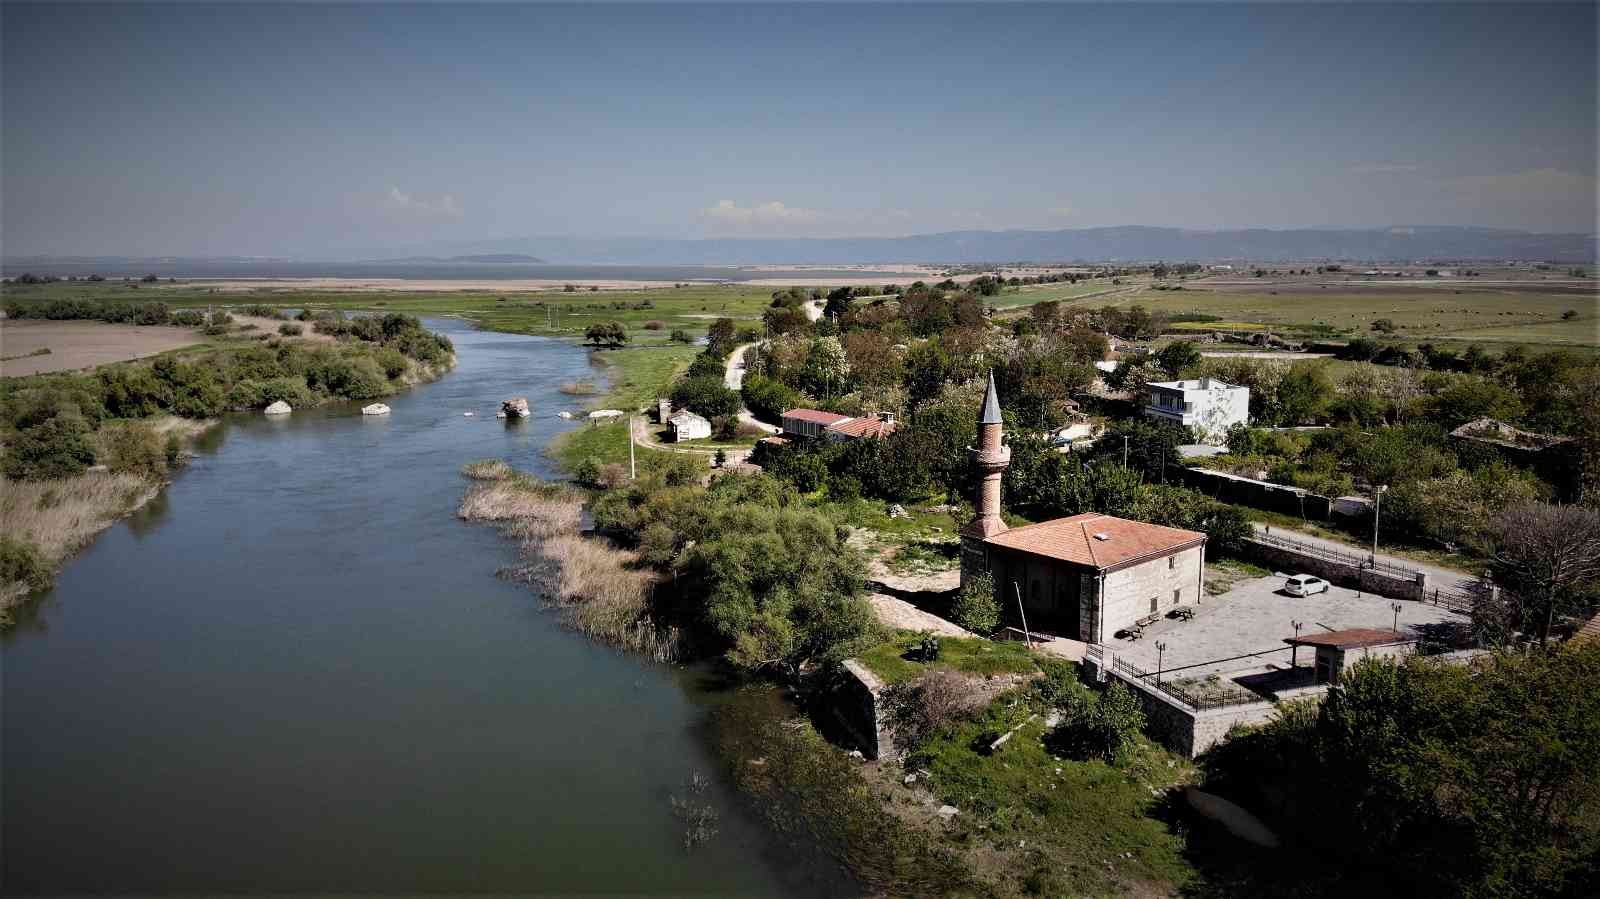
(1337, 649)
(877, 426)
(686, 425)
(1086, 576)
(809, 422)
(1207, 405)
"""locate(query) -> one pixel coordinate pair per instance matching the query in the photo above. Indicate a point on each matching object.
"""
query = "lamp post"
(1161, 653)
(1294, 648)
(1396, 607)
(1124, 450)
(1377, 504)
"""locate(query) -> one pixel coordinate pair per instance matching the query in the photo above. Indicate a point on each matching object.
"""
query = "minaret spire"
(989, 459)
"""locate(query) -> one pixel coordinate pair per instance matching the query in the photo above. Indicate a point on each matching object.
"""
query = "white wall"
(1128, 591)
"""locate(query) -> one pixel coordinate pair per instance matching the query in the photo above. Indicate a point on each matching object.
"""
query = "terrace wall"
(1346, 571)
(1230, 488)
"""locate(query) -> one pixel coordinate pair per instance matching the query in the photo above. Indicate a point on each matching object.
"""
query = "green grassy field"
(969, 656)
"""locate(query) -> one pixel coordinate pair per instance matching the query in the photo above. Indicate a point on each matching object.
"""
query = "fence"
(1212, 699)
(1340, 556)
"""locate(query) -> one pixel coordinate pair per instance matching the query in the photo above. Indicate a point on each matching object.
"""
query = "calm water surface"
(296, 672)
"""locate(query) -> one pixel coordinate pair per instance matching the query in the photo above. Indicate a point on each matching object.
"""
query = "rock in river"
(516, 407)
(375, 409)
(278, 408)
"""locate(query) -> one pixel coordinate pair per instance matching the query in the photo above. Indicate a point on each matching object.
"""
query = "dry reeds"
(602, 590)
(487, 470)
(60, 517)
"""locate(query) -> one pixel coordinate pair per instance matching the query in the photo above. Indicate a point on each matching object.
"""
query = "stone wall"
(855, 702)
(1188, 732)
(1243, 491)
(1344, 573)
(1170, 581)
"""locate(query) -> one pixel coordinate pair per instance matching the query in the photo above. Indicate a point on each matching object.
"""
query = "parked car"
(1304, 585)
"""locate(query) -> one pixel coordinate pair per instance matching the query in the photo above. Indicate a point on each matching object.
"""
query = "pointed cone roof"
(990, 413)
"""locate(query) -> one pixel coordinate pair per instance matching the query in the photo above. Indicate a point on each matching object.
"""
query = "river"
(295, 671)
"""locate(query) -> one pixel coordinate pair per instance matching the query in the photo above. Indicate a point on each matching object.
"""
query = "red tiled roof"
(863, 427)
(1078, 539)
(1350, 638)
(816, 416)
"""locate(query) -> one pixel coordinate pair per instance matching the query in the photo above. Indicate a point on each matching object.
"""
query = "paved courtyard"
(1255, 616)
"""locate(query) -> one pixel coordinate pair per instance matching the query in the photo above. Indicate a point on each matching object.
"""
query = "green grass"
(1061, 827)
(967, 655)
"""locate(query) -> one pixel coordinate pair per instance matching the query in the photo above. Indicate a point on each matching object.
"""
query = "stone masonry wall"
(855, 703)
(1128, 592)
(1342, 573)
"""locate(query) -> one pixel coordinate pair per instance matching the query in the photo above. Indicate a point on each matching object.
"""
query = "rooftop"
(1196, 384)
(816, 416)
(1095, 540)
(1351, 638)
(863, 427)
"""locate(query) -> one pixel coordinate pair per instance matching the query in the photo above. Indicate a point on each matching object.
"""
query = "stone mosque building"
(1085, 577)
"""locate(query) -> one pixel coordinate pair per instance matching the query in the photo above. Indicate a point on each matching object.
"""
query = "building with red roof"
(1336, 649)
(809, 422)
(1085, 576)
(876, 426)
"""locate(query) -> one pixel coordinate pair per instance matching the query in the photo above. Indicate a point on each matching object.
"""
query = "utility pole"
(633, 471)
(1026, 636)
(1124, 450)
(1377, 504)
(1161, 655)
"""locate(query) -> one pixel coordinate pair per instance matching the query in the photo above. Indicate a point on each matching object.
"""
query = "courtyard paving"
(1255, 616)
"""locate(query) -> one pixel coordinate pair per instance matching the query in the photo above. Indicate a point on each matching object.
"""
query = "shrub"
(975, 607)
(134, 448)
(918, 709)
(654, 325)
(55, 448)
(587, 472)
(188, 318)
(707, 396)
(1097, 727)
(487, 470)
(393, 362)
(680, 336)
(20, 562)
(291, 330)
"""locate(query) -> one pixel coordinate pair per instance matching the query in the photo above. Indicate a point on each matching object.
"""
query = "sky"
(243, 129)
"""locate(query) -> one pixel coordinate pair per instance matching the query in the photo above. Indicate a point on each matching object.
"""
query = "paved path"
(1445, 580)
(733, 377)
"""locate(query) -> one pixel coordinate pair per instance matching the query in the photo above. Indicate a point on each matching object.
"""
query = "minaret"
(990, 459)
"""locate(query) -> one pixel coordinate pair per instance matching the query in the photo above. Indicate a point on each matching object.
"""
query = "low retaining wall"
(857, 705)
(1231, 488)
(1186, 731)
(1345, 573)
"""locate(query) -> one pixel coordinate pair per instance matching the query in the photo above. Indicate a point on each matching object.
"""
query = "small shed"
(686, 425)
(1337, 649)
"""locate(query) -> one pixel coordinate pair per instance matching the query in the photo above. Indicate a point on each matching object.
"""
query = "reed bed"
(601, 590)
(487, 470)
(60, 517)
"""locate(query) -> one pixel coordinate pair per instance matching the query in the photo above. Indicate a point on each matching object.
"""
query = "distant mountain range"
(1134, 243)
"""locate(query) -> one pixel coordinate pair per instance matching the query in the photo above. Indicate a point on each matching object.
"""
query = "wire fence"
(1211, 698)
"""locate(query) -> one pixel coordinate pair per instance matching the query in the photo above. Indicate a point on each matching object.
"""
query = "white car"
(1304, 585)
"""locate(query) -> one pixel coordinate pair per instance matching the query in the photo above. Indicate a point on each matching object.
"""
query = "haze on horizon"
(259, 130)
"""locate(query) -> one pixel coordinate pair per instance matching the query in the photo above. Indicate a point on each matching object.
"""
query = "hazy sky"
(187, 129)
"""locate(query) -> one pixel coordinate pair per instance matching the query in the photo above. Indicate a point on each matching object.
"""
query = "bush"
(291, 330)
(707, 396)
(20, 561)
(55, 448)
(1097, 727)
(188, 318)
(918, 709)
(654, 325)
(587, 472)
(975, 607)
(680, 336)
(134, 448)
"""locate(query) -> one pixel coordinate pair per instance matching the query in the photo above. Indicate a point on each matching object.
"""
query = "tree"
(721, 337)
(611, 334)
(1304, 394)
(55, 448)
(827, 370)
(707, 396)
(1550, 557)
(1177, 356)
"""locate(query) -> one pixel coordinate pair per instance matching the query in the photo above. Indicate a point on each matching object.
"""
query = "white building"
(688, 426)
(1207, 405)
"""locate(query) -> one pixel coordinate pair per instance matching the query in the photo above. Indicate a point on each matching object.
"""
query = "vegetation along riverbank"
(85, 448)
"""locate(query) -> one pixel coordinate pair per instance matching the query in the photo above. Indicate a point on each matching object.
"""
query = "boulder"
(375, 409)
(468, 414)
(605, 414)
(564, 414)
(516, 407)
(278, 408)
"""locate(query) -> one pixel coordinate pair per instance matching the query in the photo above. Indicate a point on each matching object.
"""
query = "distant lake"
(453, 271)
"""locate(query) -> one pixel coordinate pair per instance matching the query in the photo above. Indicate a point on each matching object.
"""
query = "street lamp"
(1396, 607)
(1294, 648)
(1161, 652)
(1377, 503)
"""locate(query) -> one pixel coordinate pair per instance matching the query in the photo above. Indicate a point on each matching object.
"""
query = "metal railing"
(1211, 699)
(1356, 559)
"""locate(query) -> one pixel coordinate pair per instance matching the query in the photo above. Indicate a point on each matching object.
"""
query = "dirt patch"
(82, 344)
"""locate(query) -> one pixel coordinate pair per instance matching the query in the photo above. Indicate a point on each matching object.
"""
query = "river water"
(295, 671)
